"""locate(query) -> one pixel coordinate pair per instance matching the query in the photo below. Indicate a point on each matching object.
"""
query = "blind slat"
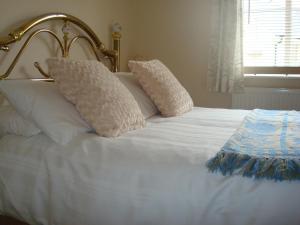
(271, 33)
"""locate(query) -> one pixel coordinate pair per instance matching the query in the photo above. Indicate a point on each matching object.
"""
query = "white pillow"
(12, 123)
(42, 103)
(146, 105)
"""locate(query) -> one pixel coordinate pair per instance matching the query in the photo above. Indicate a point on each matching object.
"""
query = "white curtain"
(225, 72)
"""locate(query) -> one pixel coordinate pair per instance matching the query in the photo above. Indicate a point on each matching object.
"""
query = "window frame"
(271, 70)
(275, 69)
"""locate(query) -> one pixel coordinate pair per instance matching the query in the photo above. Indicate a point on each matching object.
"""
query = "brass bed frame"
(26, 31)
(65, 45)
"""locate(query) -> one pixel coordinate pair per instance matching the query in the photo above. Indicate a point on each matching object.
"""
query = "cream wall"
(98, 14)
(176, 32)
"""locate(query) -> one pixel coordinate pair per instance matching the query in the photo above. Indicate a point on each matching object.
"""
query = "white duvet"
(156, 175)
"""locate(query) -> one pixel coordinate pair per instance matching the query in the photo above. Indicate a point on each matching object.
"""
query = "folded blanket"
(266, 145)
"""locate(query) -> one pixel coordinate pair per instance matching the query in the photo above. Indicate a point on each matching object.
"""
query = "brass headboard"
(65, 44)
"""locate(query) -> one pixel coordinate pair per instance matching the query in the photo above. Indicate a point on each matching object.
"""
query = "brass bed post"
(116, 39)
(65, 45)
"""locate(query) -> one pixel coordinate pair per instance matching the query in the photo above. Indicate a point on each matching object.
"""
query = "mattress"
(155, 175)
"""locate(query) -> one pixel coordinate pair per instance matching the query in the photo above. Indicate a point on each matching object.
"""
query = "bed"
(155, 175)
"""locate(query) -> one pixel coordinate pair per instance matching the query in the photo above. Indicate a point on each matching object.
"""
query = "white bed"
(61, 173)
(155, 175)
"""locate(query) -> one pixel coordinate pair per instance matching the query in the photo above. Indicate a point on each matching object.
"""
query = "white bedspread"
(156, 175)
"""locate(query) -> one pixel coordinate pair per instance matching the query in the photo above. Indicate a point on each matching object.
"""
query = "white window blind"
(271, 35)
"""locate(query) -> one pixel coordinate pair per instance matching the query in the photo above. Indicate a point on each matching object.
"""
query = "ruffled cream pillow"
(161, 85)
(101, 99)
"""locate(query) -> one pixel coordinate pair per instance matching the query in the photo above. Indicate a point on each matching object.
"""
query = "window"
(271, 35)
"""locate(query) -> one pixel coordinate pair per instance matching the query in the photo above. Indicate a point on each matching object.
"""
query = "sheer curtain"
(225, 72)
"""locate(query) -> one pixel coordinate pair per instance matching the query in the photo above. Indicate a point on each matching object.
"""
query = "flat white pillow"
(42, 103)
(146, 105)
(12, 123)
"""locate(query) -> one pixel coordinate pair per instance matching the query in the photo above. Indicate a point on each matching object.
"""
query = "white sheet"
(152, 176)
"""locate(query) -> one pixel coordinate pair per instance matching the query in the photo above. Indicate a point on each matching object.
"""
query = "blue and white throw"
(266, 145)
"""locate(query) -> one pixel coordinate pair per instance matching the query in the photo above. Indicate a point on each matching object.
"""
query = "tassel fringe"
(277, 169)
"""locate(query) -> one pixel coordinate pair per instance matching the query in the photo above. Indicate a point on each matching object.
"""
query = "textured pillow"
(162, 86)
(146, 105)
(42, 103)
(98, 95)
(12, 123)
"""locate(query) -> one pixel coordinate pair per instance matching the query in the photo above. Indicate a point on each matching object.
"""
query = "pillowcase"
(42, 103)
(98, 95)
(161, 85)
(146, 105)
(12, 123)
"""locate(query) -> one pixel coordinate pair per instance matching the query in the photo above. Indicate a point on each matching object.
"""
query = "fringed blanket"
(266, 145)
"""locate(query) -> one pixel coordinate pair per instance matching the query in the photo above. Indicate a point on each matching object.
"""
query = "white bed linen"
(156, 175)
